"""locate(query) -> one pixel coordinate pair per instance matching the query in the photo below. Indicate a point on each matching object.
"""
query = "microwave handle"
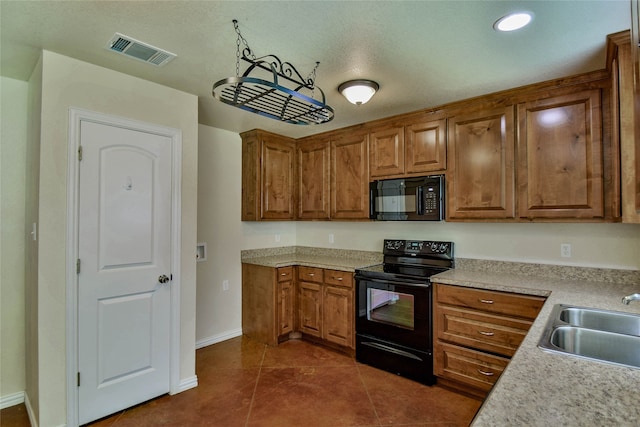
(372, 202)
(420, 200)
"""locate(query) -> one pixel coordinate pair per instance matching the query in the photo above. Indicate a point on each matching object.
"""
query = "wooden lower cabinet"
(267, 302)
(325, 305)
(476, 333)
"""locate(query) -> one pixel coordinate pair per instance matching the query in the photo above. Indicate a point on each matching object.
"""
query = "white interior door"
(124, 247)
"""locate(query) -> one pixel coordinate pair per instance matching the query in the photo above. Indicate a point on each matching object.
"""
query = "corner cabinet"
(476, 332)
(480, 174)
(268, 166)
(313, 179)
(350, 177)
(560, 166)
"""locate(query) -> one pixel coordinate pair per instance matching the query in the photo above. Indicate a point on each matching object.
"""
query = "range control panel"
(418, 247)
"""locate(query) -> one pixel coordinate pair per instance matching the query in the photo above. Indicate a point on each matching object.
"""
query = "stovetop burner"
(412, 259)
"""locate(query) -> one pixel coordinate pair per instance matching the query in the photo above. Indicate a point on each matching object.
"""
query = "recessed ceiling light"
(513, 21)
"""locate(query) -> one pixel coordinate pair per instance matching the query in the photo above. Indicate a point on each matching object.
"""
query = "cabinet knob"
(486, 301)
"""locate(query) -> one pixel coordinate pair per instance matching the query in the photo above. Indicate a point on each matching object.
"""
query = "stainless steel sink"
(601, 320)
(607, 336)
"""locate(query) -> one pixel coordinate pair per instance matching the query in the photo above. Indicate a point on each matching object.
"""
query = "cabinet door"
(277, 179)
(250, 177)
(313, 180)
(285, 307)
(425, 147)
(310, 307)
(480, 177)
(560, 157)
(350, 177)
(338, 315)
(386, 152)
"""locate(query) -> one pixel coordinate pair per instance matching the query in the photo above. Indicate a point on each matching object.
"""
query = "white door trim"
(76, 115)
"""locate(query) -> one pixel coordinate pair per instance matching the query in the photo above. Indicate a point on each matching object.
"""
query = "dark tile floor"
(243, 383)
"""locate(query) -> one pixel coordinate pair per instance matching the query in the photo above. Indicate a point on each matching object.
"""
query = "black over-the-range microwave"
(407, 199)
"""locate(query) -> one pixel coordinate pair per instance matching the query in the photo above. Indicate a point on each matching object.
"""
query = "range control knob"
(444, 247)
(434, 247)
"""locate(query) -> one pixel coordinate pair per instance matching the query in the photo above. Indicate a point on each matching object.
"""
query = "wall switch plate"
(225, 285)
(277, 238)
(565, 250)
(331, 239)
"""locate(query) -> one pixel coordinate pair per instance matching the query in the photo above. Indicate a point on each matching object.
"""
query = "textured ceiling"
(422, 53)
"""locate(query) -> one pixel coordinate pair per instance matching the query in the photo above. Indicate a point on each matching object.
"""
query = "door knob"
(163, 279)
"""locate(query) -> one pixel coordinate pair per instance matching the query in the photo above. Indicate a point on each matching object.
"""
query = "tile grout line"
(366, 389)
(255, 388)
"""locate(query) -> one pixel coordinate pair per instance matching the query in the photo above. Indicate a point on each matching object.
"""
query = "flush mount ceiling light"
(358, 91)
(261, 89)
(513, 21)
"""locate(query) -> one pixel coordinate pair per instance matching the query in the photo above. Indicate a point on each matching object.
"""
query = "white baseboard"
(219, 338)
(187, 383)
(32, 416)
(11, 399)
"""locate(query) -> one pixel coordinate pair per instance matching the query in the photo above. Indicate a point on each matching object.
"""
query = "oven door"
(395, 311)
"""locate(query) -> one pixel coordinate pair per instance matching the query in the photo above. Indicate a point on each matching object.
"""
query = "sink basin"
(601, 320)
(590, 343)
(607, 336)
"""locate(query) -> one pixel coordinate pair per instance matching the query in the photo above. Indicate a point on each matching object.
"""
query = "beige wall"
(593, 245)
(13, 163)
(70, 83)
(219, 226)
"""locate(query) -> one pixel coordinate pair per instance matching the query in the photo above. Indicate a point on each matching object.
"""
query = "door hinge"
(78, 379)
(80, 153)
(78, 266)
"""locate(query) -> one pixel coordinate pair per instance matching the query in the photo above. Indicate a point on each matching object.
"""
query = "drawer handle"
(283, 274)
(337, 278)
(486, 374)
(486, 301)
(312, 274)
(486, 334)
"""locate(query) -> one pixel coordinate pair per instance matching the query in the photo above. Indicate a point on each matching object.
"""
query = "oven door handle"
(426, 284)
(386, 348)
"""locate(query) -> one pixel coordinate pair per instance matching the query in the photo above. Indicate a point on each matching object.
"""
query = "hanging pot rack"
(303, 103)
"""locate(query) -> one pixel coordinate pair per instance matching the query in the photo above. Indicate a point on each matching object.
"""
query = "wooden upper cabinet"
(560, 167)
(268, 164)
(425, 147)
(410, 150)
(625, 120)
(313, 179)
(480, 173)
(386, 152)
(350, 177)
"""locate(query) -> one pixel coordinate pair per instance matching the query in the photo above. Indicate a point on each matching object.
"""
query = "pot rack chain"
(270, 98)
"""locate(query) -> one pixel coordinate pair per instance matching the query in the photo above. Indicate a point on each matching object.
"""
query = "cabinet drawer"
(525, 306)
(484, 331)
(310, 274)
(477, 369)
(338, 278)
(285, 274)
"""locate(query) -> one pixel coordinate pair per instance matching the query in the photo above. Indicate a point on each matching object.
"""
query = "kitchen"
(217, 317)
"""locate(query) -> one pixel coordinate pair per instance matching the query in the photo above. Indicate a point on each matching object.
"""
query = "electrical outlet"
(225, 285)
(277, 238)
(565, 250)
(331, 239)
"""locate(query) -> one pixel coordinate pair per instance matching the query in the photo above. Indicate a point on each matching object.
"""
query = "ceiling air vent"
(135, 49)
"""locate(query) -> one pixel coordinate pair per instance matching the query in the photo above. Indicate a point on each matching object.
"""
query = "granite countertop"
(540, 388)
(334, 259)
(537, 388)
